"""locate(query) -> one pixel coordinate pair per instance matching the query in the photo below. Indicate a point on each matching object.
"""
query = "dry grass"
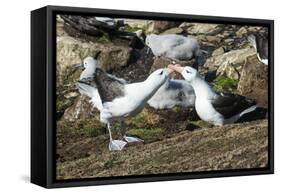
(233, 146)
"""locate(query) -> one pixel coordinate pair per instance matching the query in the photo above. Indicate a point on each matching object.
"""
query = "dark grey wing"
(109, 87)
(262, 46)
(231, 104)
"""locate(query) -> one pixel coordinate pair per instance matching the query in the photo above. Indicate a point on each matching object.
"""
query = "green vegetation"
(104, 38)
(114, 158)
(139, 120)
(62, 105)
(197, 124)
(225, 84)
(131, 29)
(149, 135)
(87, 127)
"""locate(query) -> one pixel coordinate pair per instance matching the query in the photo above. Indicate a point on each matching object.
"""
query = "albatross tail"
(239, 115)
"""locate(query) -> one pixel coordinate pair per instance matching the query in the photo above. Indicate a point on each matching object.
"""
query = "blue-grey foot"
(132, 139)
(116, 145)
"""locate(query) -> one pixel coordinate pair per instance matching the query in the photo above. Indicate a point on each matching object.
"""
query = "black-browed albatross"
(215, 108)
(120, 99)
(260, 43)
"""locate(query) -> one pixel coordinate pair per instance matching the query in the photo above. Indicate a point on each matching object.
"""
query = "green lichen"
(225, 84)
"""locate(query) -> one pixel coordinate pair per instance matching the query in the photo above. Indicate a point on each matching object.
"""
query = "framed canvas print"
(125, 96)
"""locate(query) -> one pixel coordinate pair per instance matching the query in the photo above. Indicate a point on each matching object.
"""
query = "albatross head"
(159, 76)
(188, 73)
(89, 65)
(89, 62)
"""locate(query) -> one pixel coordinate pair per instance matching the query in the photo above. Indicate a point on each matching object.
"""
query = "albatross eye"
(161, 72)
(187, 71)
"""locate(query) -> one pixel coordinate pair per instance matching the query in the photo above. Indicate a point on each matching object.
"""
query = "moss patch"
(192, 125)
(86, 127)
(225, 84)
(131, 29)
(104, 38)
(148, 135)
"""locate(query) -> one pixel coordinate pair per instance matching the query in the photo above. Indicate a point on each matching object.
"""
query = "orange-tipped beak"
(170, 70)
(177, 67)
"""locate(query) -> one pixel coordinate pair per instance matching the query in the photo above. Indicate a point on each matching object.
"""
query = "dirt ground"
(235, 146)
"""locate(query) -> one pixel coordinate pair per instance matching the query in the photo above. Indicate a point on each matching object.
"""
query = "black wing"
(108, 86)
(231, 104)
(262, 46)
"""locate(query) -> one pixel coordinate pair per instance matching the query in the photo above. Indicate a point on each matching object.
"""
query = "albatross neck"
(88, 72)
(201, 88)
(151, 86)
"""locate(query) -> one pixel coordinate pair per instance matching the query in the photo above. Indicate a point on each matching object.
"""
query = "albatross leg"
(115, 145)
(128, 139)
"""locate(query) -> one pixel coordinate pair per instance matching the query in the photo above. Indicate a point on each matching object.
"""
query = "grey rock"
(254, 81)
(230, 63)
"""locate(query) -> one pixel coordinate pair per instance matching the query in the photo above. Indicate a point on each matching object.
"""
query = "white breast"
(206, 112)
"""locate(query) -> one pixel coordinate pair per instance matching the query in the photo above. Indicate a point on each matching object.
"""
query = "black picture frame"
(43, 86)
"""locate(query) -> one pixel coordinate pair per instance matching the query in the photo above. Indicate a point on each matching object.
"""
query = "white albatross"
(217, 109)
(176, 47)
(120, 99)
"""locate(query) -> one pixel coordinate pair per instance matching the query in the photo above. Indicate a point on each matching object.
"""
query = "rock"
(254, 81)
(229, 40)
(213, 39)
(230, 63)
(137, 23)
(230, 70)
(173, 31)
(81, 109)
(241, 31)
(156, 27)
(185, 25)
(138, 67)
(207, 29)
(70, 49)
(163, 62)
(254, 29)
(218, 51)
(60, 26)
(71, 94)
(112, 56)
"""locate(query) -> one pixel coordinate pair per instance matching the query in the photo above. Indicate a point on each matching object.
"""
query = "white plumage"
(218, 109)
(90, 66)
(129, 99)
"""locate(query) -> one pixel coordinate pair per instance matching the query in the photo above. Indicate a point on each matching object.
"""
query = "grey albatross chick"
(121, 100)
(173, 93)
(176, 47)
(215, 108)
